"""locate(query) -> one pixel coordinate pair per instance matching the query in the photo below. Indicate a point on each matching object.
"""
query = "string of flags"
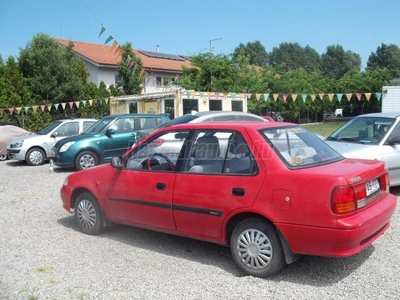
(190, 94)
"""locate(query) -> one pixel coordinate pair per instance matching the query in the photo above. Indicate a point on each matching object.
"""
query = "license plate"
(372, 186)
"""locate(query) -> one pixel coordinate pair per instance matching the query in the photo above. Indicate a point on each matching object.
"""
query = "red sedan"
(271, 191)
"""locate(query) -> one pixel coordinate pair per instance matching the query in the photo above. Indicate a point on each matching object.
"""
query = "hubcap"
(87, 161)
(36, 157)
(86, 214)
(254, 249)
(3, 157)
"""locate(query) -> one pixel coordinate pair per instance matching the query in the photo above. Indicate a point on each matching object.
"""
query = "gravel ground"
(44, 256)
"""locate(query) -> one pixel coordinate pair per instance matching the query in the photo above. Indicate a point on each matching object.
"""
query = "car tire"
(88, 214)
(35, 157)
(256, 248)
(3, 157)
(86, 160)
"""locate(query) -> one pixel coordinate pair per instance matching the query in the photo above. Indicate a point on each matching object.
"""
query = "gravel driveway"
(44, 256)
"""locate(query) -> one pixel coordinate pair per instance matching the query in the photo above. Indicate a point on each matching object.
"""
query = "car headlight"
(66, 146)
(18, 144)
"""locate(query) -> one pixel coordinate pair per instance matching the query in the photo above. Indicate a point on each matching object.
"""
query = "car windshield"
(299, 148)
(50, 128)
(363, 130)
(99, 126)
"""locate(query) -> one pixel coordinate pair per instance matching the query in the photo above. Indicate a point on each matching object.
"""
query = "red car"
(271, 191)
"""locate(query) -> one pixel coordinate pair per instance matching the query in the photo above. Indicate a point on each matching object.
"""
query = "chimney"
(158, 48)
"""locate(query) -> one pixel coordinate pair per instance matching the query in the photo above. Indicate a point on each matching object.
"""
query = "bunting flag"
(114, 44)
(109, 39)
(191, 94)
(102, 31)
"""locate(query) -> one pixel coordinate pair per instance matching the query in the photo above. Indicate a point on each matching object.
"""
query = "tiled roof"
(104, 55)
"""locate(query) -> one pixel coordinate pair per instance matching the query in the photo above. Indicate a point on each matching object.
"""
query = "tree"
(291, 56)
(53, 72)
(336, 62)
(256, 52)
(385, 57)
(129, 71)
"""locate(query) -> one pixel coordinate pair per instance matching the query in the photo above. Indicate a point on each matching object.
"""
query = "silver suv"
(36, 148)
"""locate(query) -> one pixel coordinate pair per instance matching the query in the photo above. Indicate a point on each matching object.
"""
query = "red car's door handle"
(238, 192)
(161, 186)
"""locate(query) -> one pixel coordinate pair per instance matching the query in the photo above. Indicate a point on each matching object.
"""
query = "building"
(161, 92)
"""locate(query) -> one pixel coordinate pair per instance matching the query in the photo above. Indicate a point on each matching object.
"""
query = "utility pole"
(211, 62)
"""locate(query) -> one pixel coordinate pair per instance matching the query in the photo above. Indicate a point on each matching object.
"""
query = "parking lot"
(44, 256)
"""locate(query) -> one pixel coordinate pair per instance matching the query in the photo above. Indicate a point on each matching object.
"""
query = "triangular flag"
(63, 105)
(106, 100)
(91, 102)
(313, 97)
(359, 96)
(266, 96)
(84, 102)
(18, 109)
(114, 44)
(304, 96)
(249, 95)
(349, 96)
(368, 96)
(258, 97)
(56, 106)
(26, 108)
(233, 95)
(71, 104)
(339, 96)
(294, 97)
(101, 31)
(35, 107)
(42, 107)
(201, 94)
(189, 93)
(378, 96)
(284, 95)
(117, 49)
(321, 96)
(11, 110)
(275, 96)
(330, 96)
(109, 39)
(77, 103)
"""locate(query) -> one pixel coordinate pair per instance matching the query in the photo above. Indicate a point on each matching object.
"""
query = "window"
(214, 152)
(67, 129)
(161, 153)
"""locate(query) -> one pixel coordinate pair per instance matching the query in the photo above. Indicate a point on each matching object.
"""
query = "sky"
(188, 27)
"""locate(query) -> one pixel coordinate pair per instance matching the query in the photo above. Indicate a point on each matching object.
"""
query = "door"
(119, 137)
(142, 192)
(206, 193)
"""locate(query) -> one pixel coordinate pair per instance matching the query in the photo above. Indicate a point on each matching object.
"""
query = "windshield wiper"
(331, 138)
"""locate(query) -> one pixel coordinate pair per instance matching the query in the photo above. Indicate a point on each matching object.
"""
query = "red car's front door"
(142, 197)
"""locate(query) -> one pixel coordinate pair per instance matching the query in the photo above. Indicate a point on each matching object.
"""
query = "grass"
(323, 129)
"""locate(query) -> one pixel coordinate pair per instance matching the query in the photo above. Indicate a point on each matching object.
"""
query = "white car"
(206, 116)
(36, 148)
(371, 136)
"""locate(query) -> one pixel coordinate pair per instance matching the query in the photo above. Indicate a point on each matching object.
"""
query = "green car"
(111, 136)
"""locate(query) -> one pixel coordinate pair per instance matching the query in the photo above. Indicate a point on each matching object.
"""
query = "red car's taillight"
(343, 200)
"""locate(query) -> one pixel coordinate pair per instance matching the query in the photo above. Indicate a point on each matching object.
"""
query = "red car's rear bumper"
(351, 235)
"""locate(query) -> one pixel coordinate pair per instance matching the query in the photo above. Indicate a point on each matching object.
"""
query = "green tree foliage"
(386, 57)
(128, 78)
(53, 72)
(336, 62)
(291, 56)
(256, 52)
